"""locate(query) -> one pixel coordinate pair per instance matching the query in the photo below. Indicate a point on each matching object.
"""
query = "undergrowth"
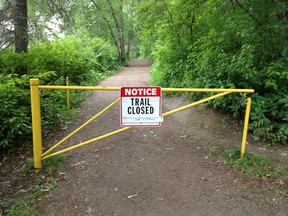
(43, 183)
(236, 54)
(252, 164)
(51, 62)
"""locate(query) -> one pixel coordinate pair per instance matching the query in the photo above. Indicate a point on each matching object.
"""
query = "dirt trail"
(166, 171)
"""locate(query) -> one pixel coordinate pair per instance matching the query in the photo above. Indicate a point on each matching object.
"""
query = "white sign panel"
(141, 106)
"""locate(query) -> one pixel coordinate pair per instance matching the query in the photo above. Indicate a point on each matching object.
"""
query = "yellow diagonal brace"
(195, 103)
(87, 142)
(126, 128)
(81, 127)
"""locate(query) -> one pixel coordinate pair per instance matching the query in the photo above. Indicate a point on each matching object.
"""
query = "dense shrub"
(83, 62)
(231, 48)
(210, 68)
(15, 107)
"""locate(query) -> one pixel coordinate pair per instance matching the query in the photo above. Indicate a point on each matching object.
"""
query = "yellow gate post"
(245, 130)
(36, 124)
(68, 93)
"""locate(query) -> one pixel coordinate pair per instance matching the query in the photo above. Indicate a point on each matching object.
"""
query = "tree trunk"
(120, 30)
(21, 31)
(130, 32)
(113, 35)
(21, 26)
(128, 46)
(122, 40)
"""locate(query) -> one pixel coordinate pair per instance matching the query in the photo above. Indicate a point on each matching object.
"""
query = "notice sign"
(140, 106)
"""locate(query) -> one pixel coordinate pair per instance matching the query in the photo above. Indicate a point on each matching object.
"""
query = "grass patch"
(25, 206)
(44, 183)
(50, 165)
(252, 164)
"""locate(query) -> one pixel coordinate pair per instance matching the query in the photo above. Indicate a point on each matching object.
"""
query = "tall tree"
(21, 26)
(111, 13)
(110, 19)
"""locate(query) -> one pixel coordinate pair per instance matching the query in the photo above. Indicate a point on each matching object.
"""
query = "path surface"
(166, 171)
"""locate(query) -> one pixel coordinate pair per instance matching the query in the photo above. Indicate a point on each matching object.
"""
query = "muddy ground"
(165, 171)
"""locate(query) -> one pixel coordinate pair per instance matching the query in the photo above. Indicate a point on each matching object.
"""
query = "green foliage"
(112, 20)
(223, 44)
(27, 166)
(78, 59)
(84, 63)
(26, 205)
(14, 117)
(269, 117)
(252, 164)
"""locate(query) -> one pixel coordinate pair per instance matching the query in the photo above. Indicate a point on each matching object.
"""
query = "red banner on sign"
(140, 91)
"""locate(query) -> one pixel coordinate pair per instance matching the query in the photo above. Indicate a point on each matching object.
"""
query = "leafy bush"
(84, 64)
(15, 108)
(269, 103)
(209, 68)
(73, 58)
(230, 48)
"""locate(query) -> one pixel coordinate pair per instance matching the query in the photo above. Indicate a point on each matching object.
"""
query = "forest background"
(192, 44)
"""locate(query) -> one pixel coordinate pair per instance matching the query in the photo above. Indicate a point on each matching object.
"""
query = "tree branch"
(114, 16)
(174, 25)
(247, 11)
(10, 42)
(6, 33)
(108, 24)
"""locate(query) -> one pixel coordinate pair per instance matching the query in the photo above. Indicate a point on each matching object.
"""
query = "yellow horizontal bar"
(87, 142)
(195, 103)
(163, 89)
(207, 90)
(80, 88)
(81, 127)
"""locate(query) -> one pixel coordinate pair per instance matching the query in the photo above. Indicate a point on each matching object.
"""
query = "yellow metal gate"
(36, 116)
